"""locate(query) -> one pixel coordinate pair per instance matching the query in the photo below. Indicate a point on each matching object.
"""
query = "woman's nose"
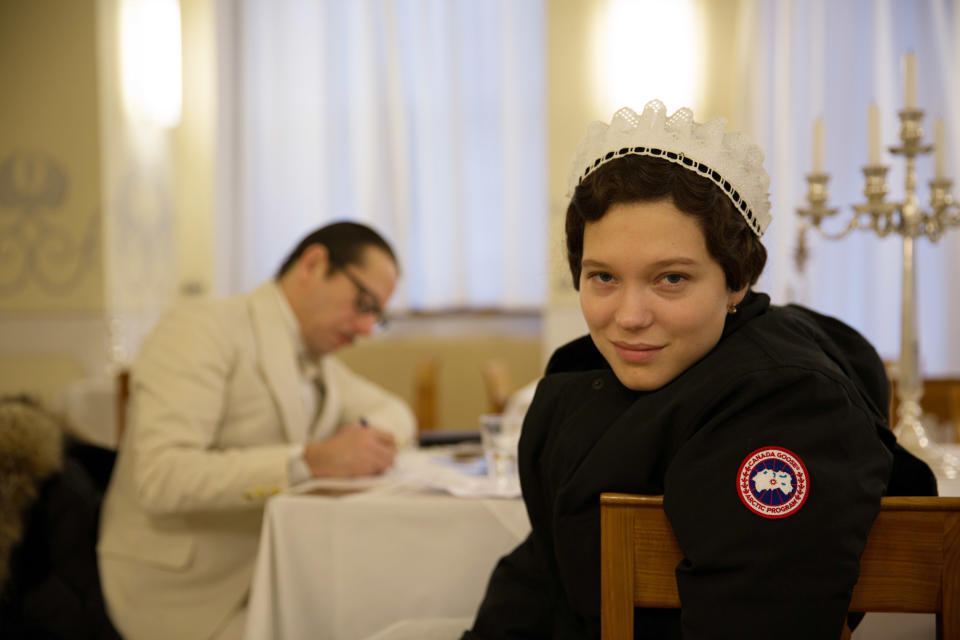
(634, 311)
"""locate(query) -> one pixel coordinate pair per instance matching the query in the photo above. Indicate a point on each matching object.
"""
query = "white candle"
(939, 149)
(818, 145)
(873, 134)
(910, 81)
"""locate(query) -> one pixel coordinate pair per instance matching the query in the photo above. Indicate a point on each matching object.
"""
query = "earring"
(732, 309)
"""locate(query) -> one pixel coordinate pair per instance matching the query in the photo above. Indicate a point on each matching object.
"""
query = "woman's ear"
(736, 297)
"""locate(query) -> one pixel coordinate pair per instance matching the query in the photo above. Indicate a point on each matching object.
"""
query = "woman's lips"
(636, 353)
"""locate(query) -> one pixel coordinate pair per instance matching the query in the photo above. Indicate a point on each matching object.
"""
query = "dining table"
(344, 559)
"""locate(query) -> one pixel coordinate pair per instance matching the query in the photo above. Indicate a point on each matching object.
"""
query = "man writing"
(233, 401)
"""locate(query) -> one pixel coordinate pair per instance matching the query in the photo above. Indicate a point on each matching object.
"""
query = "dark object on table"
(449, 436)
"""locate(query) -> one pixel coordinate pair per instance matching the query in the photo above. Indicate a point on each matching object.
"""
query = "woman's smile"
(636, 353)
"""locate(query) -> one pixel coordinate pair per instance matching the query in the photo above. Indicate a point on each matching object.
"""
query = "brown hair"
(636, 178)
(345, 243)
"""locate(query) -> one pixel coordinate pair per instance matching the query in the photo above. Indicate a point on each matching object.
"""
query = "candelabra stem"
(909, 386)
(909, 430)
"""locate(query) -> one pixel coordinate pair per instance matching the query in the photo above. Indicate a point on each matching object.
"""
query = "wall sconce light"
(151, 59)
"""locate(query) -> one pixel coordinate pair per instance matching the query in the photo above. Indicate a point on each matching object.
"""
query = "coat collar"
(278, 358)
(753, 304)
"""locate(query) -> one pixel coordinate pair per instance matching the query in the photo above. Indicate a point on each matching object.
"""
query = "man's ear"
(314, 259)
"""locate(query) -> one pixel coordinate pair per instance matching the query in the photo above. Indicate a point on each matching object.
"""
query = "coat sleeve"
(180, 381)
(781, 559)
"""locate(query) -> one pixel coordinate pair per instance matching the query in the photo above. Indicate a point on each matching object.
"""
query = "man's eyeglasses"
(366, 303)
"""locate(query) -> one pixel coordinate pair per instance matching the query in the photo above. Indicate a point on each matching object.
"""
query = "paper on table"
(343, 485)
(434, 468)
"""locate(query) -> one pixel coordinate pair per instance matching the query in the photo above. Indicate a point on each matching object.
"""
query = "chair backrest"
(911, 562)
(496, 380)
(122, 389)
(425, 393)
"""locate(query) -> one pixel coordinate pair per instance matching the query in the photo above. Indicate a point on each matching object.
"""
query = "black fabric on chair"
(49, 516)
(96, 461)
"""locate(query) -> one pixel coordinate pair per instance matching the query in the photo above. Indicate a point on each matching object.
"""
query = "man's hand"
(354, 450)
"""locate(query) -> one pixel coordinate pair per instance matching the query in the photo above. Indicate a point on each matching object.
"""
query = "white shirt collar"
(304, 357)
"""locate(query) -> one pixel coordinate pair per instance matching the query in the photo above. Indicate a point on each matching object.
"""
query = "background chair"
(911, 563)
(122, 400)
(496, 381)
(425, 393)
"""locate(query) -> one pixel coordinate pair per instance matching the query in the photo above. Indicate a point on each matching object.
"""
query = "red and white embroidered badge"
(773, 482)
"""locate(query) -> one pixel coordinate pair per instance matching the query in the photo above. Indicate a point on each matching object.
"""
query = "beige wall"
(103, 219)
(50, 251)
(52, 291)
(724, 87)
(570, 107)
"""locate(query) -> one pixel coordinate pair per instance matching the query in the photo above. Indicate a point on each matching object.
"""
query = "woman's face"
(654, 299)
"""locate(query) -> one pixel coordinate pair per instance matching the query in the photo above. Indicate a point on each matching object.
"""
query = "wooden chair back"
(496, 380)
(911, 562)
(425, 393)
(122, 399)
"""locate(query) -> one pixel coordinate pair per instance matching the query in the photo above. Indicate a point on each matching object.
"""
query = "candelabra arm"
(851, 226)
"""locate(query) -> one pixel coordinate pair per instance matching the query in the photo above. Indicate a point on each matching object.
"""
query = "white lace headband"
(729, 160)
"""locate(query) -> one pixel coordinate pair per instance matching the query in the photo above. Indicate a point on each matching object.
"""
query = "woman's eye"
(600, 276)
(674, 278)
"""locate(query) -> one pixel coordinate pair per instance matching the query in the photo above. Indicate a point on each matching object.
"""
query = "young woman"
(764, 427)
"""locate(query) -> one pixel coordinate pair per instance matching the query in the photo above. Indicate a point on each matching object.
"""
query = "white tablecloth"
(346, 567)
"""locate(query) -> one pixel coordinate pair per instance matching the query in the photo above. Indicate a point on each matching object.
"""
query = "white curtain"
(808, 58)
(422, 118)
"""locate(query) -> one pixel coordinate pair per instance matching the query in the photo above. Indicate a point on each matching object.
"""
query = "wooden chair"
(911, 562)
(122, 383)
(496, 380)
(425, 394)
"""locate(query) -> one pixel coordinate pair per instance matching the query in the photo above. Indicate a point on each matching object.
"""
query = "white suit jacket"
(216, 403)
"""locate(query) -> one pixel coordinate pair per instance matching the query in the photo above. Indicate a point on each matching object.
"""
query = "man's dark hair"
(636, 178)
(345, 243)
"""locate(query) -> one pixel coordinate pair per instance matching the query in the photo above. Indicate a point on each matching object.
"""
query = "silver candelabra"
(909, 220)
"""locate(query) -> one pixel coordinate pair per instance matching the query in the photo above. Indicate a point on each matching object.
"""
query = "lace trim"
(689, 163)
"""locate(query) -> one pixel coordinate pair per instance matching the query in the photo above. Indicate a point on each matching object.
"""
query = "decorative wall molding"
(37, 245)
(81, 336)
